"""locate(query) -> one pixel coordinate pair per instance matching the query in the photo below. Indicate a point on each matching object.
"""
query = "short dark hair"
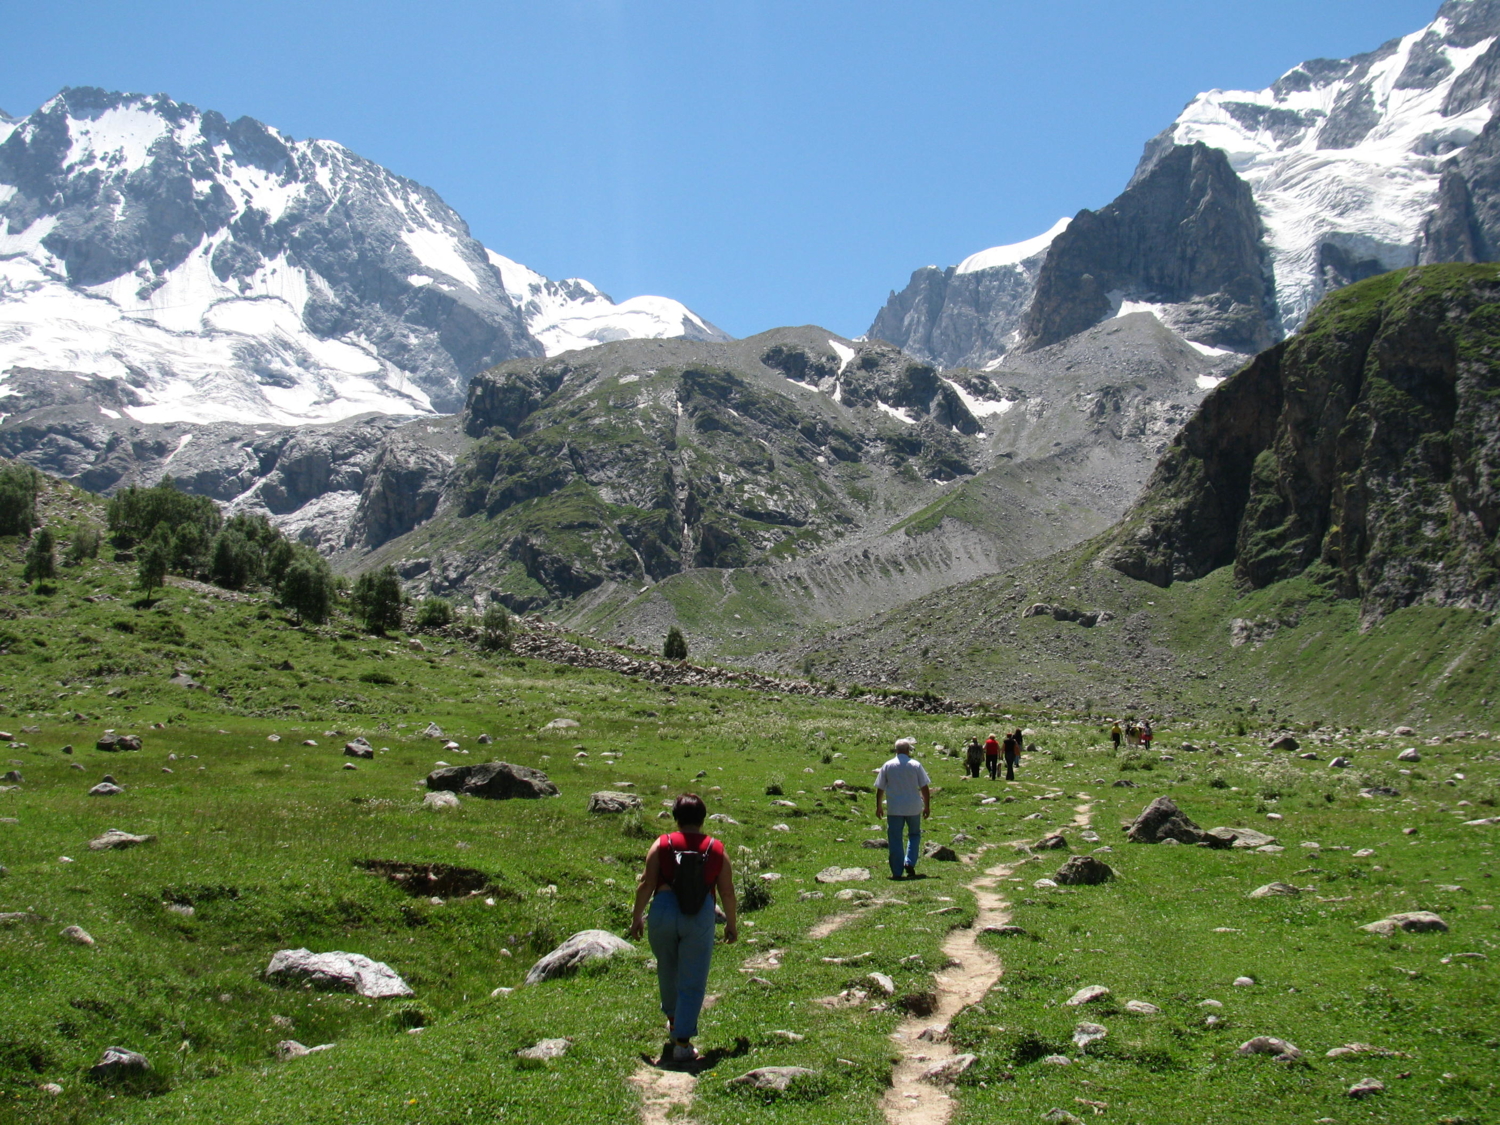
(689, 810)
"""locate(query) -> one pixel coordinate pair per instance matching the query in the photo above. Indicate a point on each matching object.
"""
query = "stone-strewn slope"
(1365, 452)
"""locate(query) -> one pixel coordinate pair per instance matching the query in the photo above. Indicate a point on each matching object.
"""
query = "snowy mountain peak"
(1345, 156)
(225, 271)
(573, 313)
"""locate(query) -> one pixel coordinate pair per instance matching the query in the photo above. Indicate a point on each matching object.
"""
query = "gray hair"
(906, 744)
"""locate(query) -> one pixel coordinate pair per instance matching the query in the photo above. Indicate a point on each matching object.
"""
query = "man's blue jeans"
(683, 944)
(893, 827)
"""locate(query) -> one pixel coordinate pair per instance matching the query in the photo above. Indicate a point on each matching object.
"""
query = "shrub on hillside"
(434, 613)
(41, 557)
(497, 630)
(675, 646)
(308, 587)
(82, 544)
(377, 600)
(18, 489)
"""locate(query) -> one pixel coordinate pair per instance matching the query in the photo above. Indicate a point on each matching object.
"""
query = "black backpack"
(689, 884)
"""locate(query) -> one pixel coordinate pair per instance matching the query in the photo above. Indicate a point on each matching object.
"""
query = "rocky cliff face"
(968, 315)
(1185, 235)
(1364, 453)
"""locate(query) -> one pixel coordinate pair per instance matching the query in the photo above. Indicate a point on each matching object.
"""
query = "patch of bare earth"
(665, 1095)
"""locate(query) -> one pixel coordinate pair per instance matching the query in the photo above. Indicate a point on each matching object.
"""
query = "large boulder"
(588, 945)
(495, 781)
(1084, 870)
(609, 801)
(111, 742)
(1163, 820)
(337, 972)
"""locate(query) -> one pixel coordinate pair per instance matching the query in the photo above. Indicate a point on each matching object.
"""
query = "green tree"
(82, 544)
(41, 557)
(308, 587)
(135, 513)
(497, 627)
(434, 613)
(235, 562)
(152, 564)
(18, 489)
(377, 600)
(675, 646)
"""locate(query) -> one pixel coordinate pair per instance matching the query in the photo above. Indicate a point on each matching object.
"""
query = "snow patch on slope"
(1014, 254)
(572, 314)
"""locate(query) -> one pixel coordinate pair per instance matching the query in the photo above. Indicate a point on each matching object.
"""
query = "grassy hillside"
(266, 839)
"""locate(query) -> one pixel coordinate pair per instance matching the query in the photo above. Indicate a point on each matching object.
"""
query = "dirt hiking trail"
(919, 1085)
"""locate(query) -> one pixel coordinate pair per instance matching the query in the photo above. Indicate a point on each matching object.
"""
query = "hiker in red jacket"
(684, 871)
(992, 756)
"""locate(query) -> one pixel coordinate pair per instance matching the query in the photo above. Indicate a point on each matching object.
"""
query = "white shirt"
(901, 779)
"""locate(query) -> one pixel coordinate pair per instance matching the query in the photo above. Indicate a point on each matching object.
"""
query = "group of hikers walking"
(990, 754)
(1135, 734)
(688, 873)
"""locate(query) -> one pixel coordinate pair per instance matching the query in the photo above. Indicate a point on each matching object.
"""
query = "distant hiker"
(684, 869)
(1132, 734)
(1012, 755)
(1020, 741)
(1147, 734)
(992, 756)
(1114, 735)
(973, 757)
(903, 785)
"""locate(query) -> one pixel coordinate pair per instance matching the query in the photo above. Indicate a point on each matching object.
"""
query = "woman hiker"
(973, 758)
(992, 756)
(681, 923)
(1012, 755)
(903, 786)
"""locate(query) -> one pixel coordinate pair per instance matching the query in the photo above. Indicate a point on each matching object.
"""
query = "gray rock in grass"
(773, 1078)
(586, 945)
(337, 972)
(358, 748)
(440, 799)
(545, 1049)
(1085, 871)
(1272, 889)
(1089, 994)
(1410, 921)
(611, 801)
(1365, 1087)
(119, 1063)
(106, 789)
(1280, 1049)
(842, 875)
(494, 781)
(114, 838)
(78, 935)
(1242, 837)
(113, 743)
(1162, 820)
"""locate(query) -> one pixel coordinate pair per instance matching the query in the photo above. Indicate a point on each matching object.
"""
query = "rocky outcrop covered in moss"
(1364, 453)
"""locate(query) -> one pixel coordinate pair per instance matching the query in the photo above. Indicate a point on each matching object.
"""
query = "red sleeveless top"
(713, 856)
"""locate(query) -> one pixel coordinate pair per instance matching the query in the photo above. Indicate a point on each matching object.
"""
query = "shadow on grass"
(706, 1061)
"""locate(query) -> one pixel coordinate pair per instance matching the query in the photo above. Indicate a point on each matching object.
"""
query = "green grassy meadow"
(264, 840)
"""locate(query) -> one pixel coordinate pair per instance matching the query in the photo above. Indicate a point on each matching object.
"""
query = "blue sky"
(767, 162)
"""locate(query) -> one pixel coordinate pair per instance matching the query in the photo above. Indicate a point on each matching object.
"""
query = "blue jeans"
(893, 827)
(683, 944)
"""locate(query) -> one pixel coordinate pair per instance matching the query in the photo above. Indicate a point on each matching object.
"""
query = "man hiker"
(1114, 735)
(973, 758)
(992, 756)
(681, 925)
(903, 796)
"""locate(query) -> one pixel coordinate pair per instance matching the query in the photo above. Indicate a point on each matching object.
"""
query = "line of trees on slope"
(172, 532)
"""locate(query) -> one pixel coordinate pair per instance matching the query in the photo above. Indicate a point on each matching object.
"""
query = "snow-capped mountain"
(1355, 166)
(1345, 157)
(222, 271)
(570, 314)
